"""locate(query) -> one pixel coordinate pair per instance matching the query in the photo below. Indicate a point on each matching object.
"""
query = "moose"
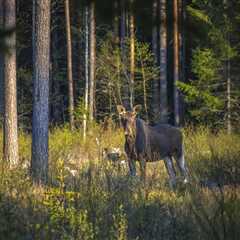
(146, 143)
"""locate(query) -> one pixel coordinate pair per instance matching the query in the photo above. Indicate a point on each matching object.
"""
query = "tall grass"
(91, 198)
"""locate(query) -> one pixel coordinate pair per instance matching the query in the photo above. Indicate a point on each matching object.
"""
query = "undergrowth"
(89, 197)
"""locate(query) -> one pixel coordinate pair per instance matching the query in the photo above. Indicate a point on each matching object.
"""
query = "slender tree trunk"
(228, 74)
(86, 94)
(116, 21)
(155, 83)
(10, 152)
(1, 67)
(132, 53)
(116, 36)
(176, 62)
(163, 62)
(229, 124)
(123, 26)
(144, 91)
(182, 54)
(55, 82)
(41, 58)
(92, 59)
(125, 84)
(69, 64)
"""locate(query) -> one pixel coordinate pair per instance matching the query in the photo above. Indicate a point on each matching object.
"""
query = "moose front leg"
(132, 166)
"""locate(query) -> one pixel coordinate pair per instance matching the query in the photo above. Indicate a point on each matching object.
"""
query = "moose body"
(145, 143)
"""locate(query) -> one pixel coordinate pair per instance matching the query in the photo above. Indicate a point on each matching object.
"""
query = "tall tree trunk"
(163, 61)
(10, 89)
(182, 53)
(86, 94)
(56, 107)
(116, 36)
(1, 66)
(228, 72)
(176, 62)
(132, 53)
(41, 58)
(125, 84)
(69, 64)
(92, 59)
(123, 26)
(155, 83)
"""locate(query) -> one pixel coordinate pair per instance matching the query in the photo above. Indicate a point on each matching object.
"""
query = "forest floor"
(89, 197)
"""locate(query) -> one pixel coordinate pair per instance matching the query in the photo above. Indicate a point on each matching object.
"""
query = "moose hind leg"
(171, 171)
(182, 167)
(142, 163)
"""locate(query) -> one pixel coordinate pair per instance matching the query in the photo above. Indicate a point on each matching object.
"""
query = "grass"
(100, 201)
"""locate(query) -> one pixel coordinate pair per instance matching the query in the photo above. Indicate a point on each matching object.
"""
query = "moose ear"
(137, 109)
(121, 109)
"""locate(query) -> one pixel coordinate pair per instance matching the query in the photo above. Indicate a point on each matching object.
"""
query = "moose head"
(128, 119)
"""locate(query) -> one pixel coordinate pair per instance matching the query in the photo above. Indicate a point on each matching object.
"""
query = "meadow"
(89, 197)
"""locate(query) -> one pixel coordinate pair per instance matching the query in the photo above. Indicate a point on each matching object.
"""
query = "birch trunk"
(92, 59)
(86, 94)
(132, 53)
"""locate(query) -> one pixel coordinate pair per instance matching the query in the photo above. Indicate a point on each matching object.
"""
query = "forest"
(77, 77)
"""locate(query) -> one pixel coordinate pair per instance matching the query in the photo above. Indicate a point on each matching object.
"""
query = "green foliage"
(100, 200)
(120, 224)
(205, 66)
(199, 14)
(113, 72)
(80, 112)
(202, 93)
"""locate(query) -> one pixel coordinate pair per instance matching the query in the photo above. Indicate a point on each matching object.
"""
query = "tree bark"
(163, 62)
(1, 66)
(228, 74)
(86, 94)
(132, 53)
(41, 58)
(125, 84)
(155, 82)
(176, 76)
(10, 152)
(182, 53)
(69, 65)
(229, 124)
(92, 59)
(56, 97)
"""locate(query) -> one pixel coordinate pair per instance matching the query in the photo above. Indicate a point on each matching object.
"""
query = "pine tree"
(10, 89)
(69, 64)
(155, 85)
(176, 76)
(41, 58)
(163, 61)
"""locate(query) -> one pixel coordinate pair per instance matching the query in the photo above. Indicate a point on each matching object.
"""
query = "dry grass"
(100, 201)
